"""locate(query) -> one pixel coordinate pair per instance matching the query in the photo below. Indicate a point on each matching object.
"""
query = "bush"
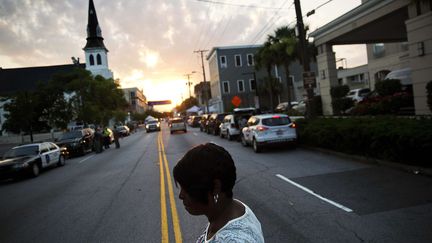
(339, 91)
(341, 105)
(384, 105)
(402, 140)
(388, 86)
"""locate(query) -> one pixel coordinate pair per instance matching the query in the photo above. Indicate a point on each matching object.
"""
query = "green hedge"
(402, 140)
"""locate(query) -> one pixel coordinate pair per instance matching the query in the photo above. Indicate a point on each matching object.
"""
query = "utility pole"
(206, 96)
(306, 66)
(189, 83)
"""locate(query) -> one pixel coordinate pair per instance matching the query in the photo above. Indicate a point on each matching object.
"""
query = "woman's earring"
(215, 198)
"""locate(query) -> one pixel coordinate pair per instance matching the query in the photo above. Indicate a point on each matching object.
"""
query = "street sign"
(159, 102)
(236, 101)
(309, 80)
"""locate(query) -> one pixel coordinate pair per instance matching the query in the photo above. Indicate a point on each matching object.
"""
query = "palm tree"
(285, 45)
(266, 58)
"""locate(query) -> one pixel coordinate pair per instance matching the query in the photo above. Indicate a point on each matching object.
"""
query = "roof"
(26, 79)
(213, 50)
(94, 32)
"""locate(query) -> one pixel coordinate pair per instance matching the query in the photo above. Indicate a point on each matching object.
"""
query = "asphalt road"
(298, 195)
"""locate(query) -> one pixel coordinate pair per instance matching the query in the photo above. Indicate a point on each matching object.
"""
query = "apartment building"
(233, 76)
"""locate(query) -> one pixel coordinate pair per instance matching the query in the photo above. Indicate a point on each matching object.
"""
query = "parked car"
(281, 107)
(177, 124)
(300, 107)
(269, 130)
(358, 94)
(229, 127)
(77, 142)
(232, 125)
(203, 122)
(30, 159)
(195, 121)
(123, 130)
(214, 122)
(152, 125)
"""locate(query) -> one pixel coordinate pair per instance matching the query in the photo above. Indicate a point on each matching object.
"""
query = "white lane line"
(195, 134)
(86, 159)
(316, 195)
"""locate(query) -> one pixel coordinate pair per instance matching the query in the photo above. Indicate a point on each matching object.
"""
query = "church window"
(91, 58)
(99, 59)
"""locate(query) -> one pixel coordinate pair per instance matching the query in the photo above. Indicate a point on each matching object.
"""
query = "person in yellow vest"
(106, 134)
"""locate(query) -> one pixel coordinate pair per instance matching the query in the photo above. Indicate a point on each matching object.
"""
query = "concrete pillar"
(419, 31)
(326, 76)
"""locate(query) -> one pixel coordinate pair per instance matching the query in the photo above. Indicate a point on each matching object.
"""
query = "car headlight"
(20, 165)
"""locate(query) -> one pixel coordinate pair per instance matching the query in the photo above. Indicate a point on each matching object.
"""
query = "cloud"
(155, 39)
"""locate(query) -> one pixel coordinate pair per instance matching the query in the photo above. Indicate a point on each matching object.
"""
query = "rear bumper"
(274, 142)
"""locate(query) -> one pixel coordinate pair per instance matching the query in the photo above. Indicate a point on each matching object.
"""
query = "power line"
(237, 5)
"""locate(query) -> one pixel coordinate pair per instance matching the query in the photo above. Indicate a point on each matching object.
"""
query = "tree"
(285, 46)
(186, 104)
(266, 57)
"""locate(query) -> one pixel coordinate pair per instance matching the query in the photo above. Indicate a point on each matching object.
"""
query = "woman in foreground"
(206, 175)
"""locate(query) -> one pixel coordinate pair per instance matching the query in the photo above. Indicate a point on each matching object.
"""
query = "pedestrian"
(98, 140)
(206, 176)
(107, 138)
(116, 137)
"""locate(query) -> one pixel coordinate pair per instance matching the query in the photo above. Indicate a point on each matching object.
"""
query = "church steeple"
(94, 32)
(95, 51)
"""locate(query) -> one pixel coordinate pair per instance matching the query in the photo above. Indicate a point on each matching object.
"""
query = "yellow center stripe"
(164, 223)
(163, 162)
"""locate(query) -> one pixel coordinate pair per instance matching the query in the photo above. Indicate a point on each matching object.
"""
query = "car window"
(276, 121)
(177, 121)
(71, 135)
(52, 146)
(21, 151)
(44, 148)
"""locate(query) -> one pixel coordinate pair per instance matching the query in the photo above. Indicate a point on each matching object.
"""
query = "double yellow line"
(163, 165)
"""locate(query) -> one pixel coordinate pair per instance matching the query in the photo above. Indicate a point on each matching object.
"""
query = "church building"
(14, 80)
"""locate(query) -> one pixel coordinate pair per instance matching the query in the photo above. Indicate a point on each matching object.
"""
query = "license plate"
(280, 132)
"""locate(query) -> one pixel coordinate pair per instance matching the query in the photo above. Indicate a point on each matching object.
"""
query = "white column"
(326, 76)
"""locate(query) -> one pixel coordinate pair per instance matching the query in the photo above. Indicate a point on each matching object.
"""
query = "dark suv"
(77, 142)
(214, 121)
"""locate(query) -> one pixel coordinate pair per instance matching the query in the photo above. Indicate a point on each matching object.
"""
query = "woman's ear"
(217, 186)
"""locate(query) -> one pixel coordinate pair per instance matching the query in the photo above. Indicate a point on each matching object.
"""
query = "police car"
(30, 159)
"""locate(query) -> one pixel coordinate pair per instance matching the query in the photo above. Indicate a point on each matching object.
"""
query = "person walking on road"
(116, 137)
(206, 175)
(98, 141)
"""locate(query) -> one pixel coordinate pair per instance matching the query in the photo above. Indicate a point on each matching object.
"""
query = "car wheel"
(185, 131)
(171, 132)
(243, 141)
(35, 170)
(256, 147)
(61, 161)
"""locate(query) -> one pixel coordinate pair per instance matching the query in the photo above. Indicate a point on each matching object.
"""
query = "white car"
(358, 94)
(229, 128)
(177, 124)
(31, 159)
(267, 130)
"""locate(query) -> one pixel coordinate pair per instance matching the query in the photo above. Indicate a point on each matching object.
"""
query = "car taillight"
(261, 128)
(293, 125)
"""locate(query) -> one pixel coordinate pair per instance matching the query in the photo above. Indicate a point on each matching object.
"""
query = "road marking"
(163, 164)
(195, 134)
(314, 194)
(175, 218)
(86, 159)
(164, 223)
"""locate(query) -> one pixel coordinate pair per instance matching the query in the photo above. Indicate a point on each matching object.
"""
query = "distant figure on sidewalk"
(117, 135)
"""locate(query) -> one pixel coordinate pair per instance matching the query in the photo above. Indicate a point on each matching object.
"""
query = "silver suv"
(268, 130)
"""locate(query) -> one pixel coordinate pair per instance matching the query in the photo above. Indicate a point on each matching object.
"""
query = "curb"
(416, 170)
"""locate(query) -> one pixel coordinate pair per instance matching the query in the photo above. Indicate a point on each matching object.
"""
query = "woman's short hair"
(200, 166)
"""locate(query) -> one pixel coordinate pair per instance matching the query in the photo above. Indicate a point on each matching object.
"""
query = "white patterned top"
(245, 228)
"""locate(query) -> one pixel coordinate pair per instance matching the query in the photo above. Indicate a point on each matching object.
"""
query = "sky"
(151, 43)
